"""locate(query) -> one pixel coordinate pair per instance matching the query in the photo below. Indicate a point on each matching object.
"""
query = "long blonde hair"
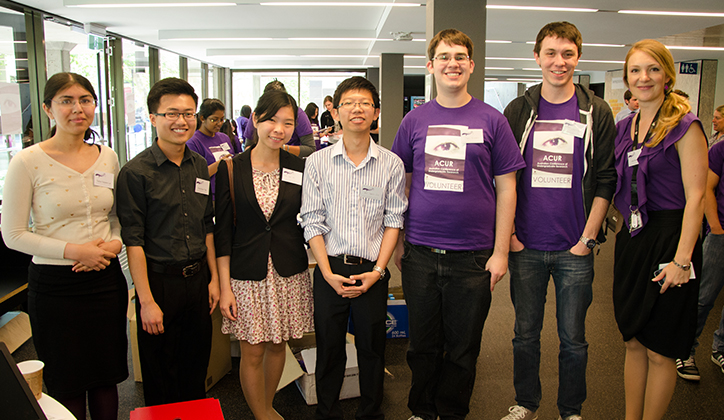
(674, 107)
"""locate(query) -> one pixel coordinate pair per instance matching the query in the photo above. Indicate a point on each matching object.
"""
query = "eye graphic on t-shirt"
(446, 146)
(554, 142)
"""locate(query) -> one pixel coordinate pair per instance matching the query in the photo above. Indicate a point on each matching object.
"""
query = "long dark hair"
(207, 108)
(62, 81)
(269, 104)
(310, 110)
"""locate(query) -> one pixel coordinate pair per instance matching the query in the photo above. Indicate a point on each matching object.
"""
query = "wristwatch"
(379, 270)
(590, 243)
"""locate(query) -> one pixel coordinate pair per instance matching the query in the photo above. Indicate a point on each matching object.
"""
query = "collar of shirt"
(372, 152)
(161, 157)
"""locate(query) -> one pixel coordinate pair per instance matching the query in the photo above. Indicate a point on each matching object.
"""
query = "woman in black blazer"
(266, 293)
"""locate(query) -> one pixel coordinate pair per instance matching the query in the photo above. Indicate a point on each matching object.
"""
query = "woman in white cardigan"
(77, 295)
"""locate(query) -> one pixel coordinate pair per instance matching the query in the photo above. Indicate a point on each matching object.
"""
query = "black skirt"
(664, 323)
(79, 327)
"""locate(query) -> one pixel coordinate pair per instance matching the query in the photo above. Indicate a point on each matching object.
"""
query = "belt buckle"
(354, 260)
(438, 251)
(191, 270)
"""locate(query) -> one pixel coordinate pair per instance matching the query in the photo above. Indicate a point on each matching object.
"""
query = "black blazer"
(253, 238)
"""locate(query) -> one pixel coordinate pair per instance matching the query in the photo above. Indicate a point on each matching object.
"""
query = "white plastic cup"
(32, 371)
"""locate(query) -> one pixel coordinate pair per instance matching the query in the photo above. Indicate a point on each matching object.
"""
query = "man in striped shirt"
(353, 200)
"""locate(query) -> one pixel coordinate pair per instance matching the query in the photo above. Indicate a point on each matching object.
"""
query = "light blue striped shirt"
(351, 206)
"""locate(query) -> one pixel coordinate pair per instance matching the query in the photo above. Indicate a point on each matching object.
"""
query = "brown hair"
(564, 30)
(450, 37)
(674, 107)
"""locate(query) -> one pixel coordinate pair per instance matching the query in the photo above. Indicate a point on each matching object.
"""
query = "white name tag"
(473, 135)
(374, 193)
(291, 176)
(225, 146)
(202, 186)
(103, 179)
(633, 157)
(574, 128)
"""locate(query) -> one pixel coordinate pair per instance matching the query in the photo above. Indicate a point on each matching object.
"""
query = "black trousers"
(369, 315)
(174, 363)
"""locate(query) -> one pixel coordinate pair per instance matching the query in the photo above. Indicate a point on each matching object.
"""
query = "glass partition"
(15, 114)
(66, 50)
(136, 84)
(169, 64)
(194, 78)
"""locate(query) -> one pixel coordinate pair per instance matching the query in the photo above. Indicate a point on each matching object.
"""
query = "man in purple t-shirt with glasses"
(566, 136)
(460, 158)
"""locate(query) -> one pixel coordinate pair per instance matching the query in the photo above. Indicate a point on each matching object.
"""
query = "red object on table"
(207, 409)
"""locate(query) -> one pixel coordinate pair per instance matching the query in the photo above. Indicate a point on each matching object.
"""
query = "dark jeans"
(174, 363)
(369, 315)
(712, 280)
(448, 298)
(530, 271)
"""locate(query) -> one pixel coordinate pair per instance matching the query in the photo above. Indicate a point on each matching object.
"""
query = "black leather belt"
(352, 260)
(186, 271)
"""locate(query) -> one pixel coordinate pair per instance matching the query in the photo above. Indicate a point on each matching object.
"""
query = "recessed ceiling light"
(499, 68)
(541, 8)
(601, 61)
(590, 45)
(510, 58)
(692, 48)
(415, 67)
(328, 4)
(497, 41)
(670, 13)
(145, 5)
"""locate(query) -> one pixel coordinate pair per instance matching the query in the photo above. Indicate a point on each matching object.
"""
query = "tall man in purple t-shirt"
(460, 158)
(566, 136)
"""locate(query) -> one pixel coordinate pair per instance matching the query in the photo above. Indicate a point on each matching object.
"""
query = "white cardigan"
(65, 205)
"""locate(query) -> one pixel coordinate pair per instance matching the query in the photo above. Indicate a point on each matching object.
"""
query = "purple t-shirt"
(303, 128)
(454, 155)
(658, 180)
(211, 148)
(241, 124)
(550, 215)
(716, 164)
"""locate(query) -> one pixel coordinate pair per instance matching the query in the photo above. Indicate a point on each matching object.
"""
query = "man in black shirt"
(166, 216)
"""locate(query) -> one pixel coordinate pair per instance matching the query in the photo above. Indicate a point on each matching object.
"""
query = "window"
(136, 84)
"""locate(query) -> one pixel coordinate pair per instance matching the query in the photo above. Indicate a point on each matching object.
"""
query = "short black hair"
(246, 111)
(627, 96)
(356, 83)
(169, 86)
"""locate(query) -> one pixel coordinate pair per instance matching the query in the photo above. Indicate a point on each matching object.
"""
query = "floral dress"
(277, 308)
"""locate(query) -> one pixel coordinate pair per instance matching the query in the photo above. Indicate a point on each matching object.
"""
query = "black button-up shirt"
(160, 209)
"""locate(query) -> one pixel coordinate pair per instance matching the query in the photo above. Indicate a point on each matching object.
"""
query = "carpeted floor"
(494, 391)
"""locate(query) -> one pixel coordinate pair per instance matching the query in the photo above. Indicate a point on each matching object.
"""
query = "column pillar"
(468, 16)
(391, 89)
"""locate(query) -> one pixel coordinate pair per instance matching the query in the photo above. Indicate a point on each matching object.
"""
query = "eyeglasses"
(445, 58)
(214, 120)
(173, 116)
(350, 105)
(70, 103)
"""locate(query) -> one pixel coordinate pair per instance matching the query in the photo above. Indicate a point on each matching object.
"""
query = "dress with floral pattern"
(277, 308)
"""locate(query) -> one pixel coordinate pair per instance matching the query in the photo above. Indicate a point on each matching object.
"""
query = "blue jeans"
(712, 280)
(448, 298)
(530, 271)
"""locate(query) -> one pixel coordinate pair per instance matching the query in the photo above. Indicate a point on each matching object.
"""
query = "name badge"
(202, 186)
(374, 193)
(225, 146)
(473, 135)
(291, 176)
(633, 157)
(574, 128)
(103, 179)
